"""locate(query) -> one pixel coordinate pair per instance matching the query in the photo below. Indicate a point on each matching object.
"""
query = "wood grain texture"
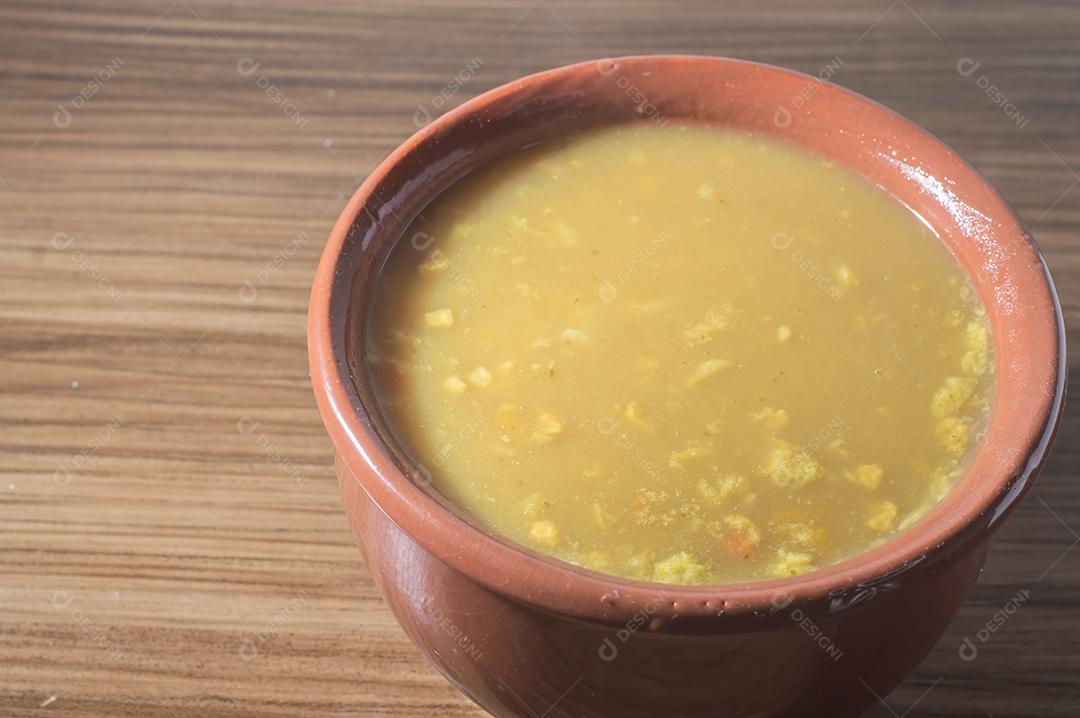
(171, 538)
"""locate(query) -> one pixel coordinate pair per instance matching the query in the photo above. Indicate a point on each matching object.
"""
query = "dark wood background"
(171, 538)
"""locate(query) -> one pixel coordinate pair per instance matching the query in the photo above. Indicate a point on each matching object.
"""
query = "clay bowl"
(526, 635)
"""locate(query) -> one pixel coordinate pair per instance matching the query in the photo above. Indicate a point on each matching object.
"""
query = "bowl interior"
(934, 182)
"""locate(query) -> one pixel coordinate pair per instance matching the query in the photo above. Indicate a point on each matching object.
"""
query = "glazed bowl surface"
(525, 634)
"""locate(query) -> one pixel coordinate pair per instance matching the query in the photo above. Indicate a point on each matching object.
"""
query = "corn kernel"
(440, 318)
(846, 278)
(977, 343)
(544, 532)
(679, 568)
(787, 466)
(952, 396)
(602, 516)
(679, 459)
(720, 490)
(574, 336)
(954, 434)
(704, 331)
(740, 535)
(868, 476)
(707, 369)
(791, 563)
(480, 376)
(548, 427)
(437, 263)
(770, 419)
(533, 504)
(635, 416)
(881, 516)
(596, 560)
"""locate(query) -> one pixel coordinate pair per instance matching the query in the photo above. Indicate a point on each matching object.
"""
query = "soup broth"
(680, 354)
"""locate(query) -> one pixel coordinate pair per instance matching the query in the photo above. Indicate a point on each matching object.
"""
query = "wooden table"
(171, 538)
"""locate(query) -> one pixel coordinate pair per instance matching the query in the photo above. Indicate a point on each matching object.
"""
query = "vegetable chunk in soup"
(680, 354)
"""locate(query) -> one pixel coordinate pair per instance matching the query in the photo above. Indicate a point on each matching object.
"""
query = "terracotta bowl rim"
(566, 589)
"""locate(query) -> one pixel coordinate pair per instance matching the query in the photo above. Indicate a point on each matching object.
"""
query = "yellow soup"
(681, 354)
